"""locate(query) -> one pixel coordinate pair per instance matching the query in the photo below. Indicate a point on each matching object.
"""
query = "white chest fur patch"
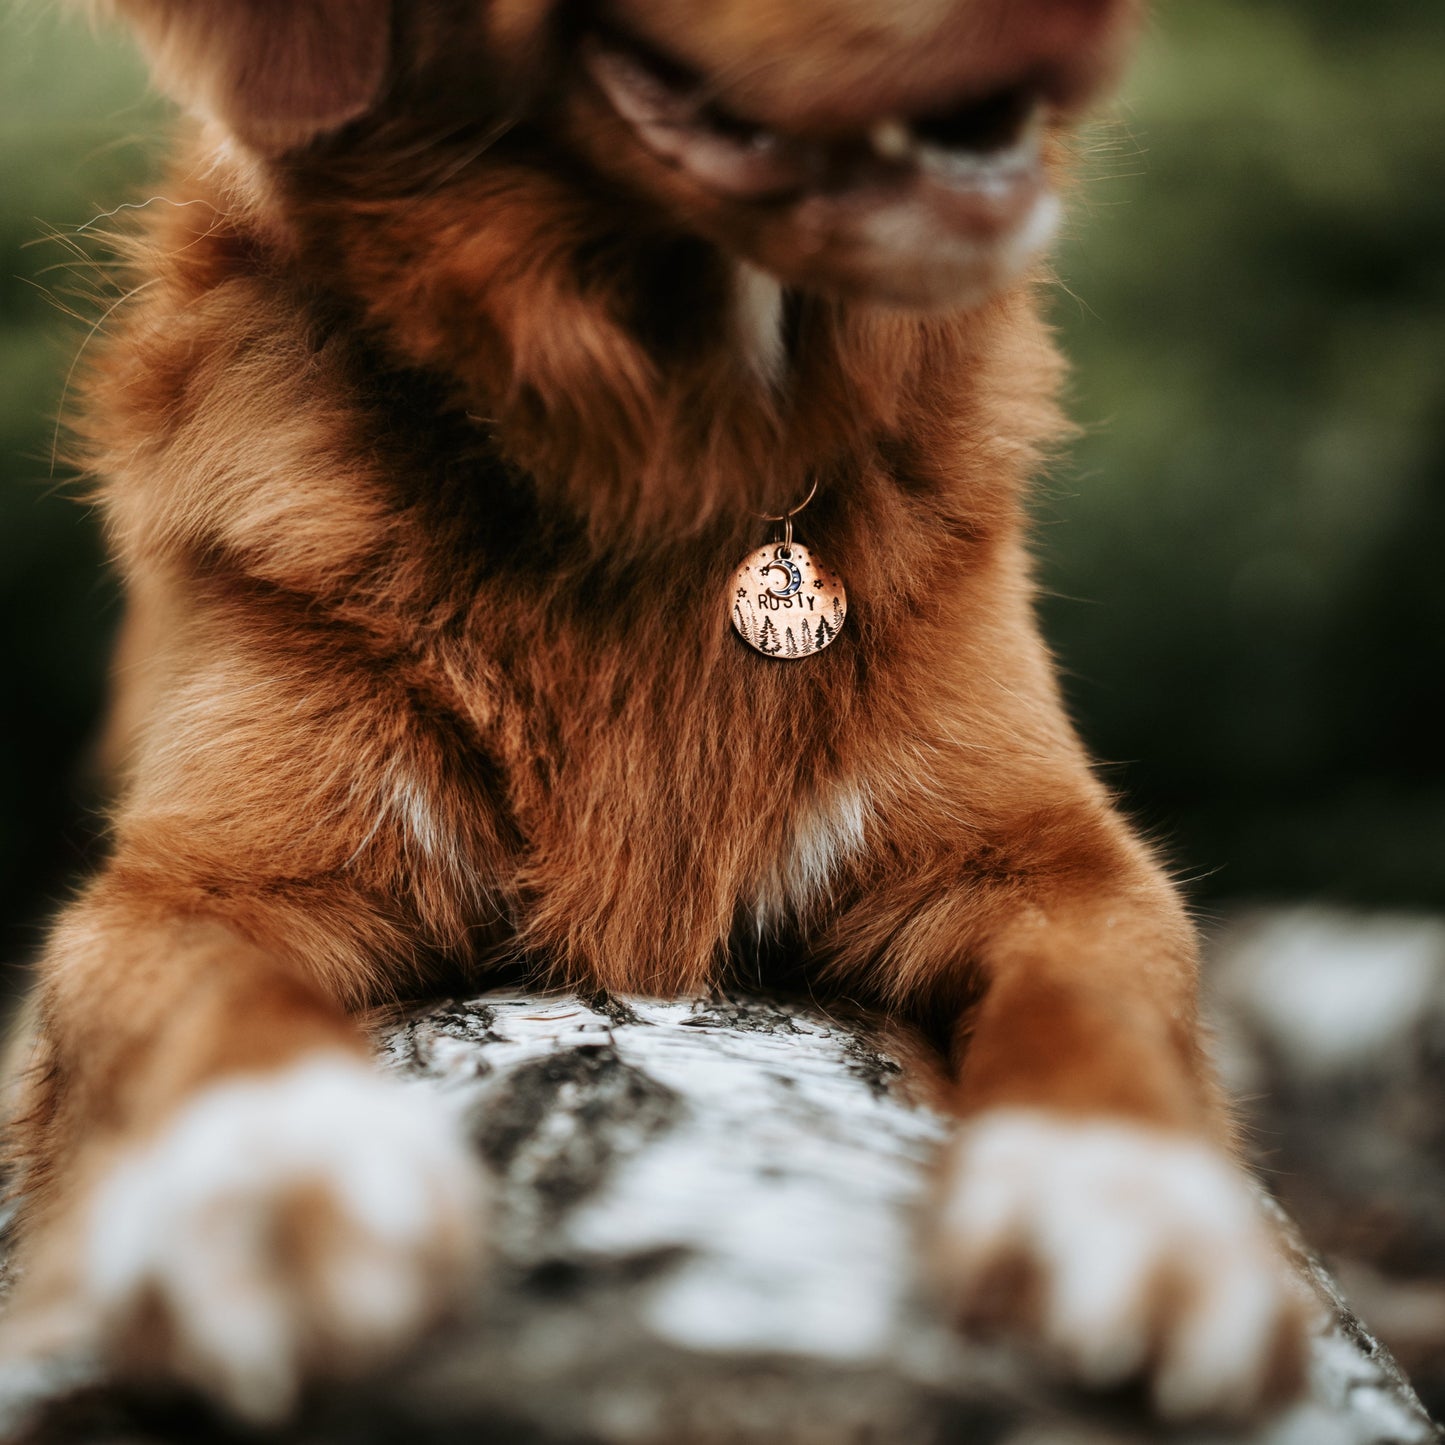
(319, 1213)
(758, 321)
(1149, 1250)
(822, 837)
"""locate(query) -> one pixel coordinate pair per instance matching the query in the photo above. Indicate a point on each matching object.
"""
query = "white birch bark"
(707, 1229)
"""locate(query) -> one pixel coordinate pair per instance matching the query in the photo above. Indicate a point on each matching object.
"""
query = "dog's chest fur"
(667, 788)
(408, 663)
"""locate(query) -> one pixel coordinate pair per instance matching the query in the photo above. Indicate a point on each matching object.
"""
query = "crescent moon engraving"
(790, 571)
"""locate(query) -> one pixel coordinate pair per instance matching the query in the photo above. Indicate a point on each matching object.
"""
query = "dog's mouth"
(985, 147)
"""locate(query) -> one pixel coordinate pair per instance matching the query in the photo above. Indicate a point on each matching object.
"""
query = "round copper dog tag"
(785, 604)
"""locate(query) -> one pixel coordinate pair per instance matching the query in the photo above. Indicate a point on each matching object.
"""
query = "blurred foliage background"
(1243, 552)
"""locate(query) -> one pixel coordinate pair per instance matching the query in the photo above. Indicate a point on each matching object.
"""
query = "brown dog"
(475, 339)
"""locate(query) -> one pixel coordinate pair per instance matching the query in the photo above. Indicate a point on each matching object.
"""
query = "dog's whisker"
(501, 129)
(75, 360)
(137, 206)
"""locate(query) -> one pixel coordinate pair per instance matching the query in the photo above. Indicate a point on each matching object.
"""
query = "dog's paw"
(309, 1221)
(1123, 1254)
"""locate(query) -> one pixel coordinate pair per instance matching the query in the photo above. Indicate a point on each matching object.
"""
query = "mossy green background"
(1242, 554)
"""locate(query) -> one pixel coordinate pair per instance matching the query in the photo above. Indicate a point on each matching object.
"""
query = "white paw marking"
(313, 1218)
(1150, 1250)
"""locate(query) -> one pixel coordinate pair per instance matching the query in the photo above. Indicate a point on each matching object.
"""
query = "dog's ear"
(276, 72)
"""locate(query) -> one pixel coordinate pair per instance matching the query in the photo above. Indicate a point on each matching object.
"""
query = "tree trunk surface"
(707, 1226)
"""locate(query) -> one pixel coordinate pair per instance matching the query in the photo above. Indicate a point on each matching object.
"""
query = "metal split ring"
(786, 518)
(792, 511)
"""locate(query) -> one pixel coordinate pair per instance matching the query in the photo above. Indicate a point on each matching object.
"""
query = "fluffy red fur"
(428, 442)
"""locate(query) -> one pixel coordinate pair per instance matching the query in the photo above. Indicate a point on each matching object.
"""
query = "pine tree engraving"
(744, 623)
(768, 639)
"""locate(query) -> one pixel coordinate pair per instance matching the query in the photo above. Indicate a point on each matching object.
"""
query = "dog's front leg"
(1091, 1203)
(214, 1181)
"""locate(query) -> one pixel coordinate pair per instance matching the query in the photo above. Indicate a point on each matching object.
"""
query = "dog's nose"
(840, 66)
(1070, 46)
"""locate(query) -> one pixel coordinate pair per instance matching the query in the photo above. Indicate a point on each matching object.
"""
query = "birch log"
(706, 1230)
